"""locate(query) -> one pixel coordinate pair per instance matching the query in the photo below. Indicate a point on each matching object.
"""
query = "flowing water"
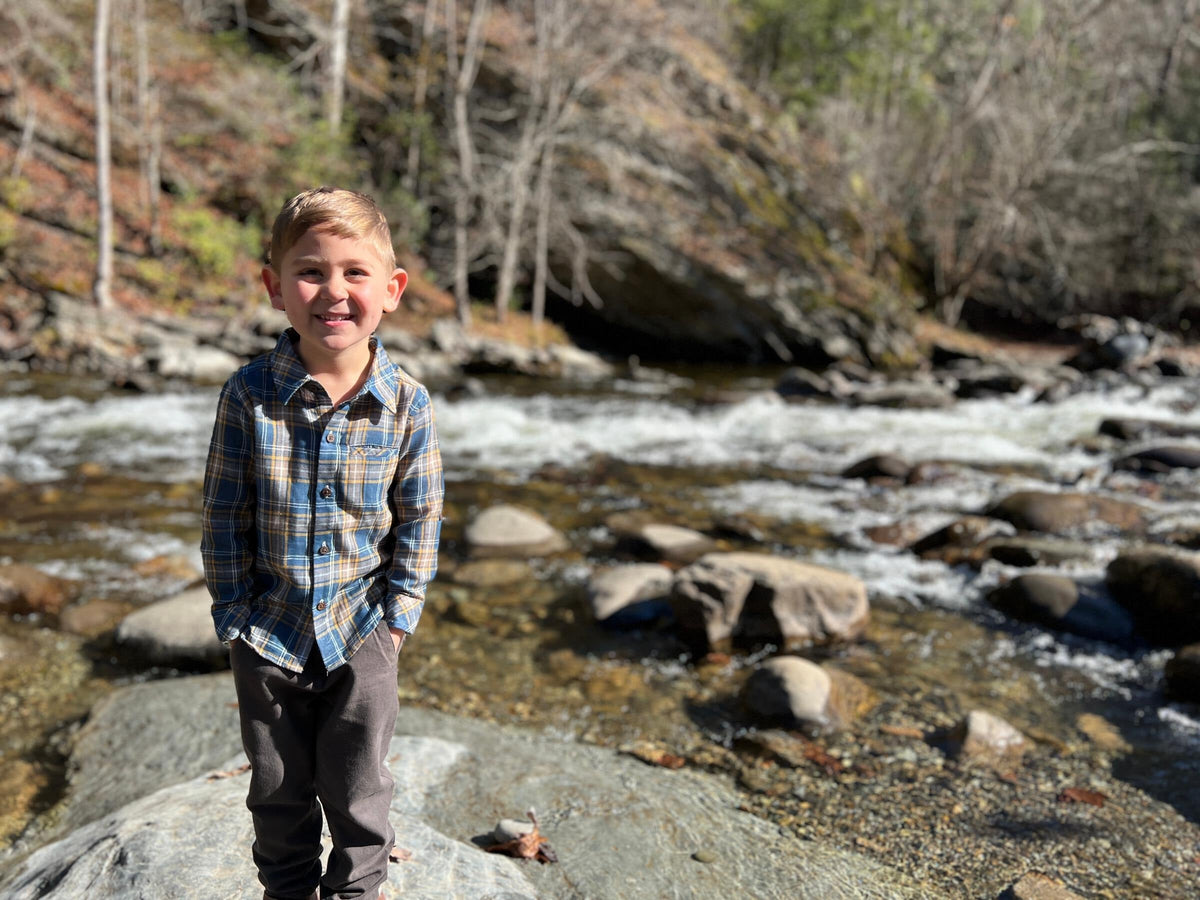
(102, 487)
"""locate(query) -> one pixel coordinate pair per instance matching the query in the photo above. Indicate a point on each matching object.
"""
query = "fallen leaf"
(656, 756)
(528, 846)
(399, 854)
(230, 773)
(902, 731)
(1082, 795)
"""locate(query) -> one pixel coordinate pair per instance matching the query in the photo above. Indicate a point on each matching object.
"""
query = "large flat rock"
(621, 828)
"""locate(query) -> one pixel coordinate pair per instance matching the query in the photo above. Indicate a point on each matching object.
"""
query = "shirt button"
(323, 549)
(329, 438)
(321, 605)
(326, 493)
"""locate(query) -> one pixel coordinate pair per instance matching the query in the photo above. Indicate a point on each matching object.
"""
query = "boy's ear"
(396, 285)
(271, 281)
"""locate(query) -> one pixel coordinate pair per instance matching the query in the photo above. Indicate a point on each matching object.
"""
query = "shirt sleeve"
(417, 505)
(227, 544)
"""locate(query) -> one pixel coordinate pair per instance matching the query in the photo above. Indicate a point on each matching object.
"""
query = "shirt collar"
(383, 383)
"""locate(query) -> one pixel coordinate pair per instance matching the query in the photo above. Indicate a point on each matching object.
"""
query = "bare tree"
(149, 131)
(420, 95)
(102, 287)
(336, 86)
(462, 78)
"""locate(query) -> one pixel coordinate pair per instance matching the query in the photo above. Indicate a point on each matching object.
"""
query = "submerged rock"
(756, 599)
(882, 466)
(671, 543)
(512, 531)
(1161, 590)
(176, 630)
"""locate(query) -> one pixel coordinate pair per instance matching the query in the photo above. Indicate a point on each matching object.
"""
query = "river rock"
(1161, 590)
(1031, 550)
(795, 691)
(1128, 429)
(1036, 886)
(757, 599)
(493, 573)
(512, 531)
(983, 737)
(621, 829)
(1157, 460)
(94, 618)
(1182, 674)
(172, 631)
(882, 466)
(1058, 602)
(904, 395)
(181, 357)
(797, 383)
(671, 543)
(630, 595)
(25, 589)
(1059, 513)
(962, 534)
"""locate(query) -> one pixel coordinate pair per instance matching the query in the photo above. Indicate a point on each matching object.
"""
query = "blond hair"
(347, 214)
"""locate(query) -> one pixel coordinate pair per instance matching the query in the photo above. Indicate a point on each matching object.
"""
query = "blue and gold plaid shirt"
(319, 521)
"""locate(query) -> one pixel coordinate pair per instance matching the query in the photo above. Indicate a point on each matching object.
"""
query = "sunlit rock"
(984, 737)
(178, 629)
(631, 594)
(796, 691)
(1059, 513)
(755, 598)
(512, 531)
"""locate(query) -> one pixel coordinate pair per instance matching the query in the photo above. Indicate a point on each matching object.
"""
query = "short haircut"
(348, 214)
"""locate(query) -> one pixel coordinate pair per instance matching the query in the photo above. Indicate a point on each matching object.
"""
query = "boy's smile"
(334, 290)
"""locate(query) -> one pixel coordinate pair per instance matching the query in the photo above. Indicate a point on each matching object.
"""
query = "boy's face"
(334, 291)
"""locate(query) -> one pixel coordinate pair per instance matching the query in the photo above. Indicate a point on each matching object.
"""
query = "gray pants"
(322, 736)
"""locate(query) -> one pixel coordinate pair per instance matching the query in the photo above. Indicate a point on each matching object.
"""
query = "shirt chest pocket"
(370, 470)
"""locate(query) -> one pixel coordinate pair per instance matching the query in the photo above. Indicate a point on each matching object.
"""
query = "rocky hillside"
(707, 222)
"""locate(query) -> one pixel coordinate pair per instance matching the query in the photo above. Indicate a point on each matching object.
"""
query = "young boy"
(322, 511)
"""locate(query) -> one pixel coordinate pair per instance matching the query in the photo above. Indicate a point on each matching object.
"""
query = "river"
(107, 485)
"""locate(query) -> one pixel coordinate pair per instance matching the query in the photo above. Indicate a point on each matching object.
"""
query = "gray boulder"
(621, 828)
(172, 631)
(1159, 460)
(756, 599)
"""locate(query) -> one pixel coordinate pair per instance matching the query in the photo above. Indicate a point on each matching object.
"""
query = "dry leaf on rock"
(527, 846)
(399, 854)
(229, 773)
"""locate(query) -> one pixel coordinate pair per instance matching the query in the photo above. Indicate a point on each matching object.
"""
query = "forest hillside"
(747, 180)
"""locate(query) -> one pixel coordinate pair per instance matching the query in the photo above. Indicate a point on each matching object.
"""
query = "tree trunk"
(420, 92)
(336, 89)
(102, 287)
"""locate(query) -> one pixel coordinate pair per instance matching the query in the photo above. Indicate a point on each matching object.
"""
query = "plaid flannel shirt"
(319, 522)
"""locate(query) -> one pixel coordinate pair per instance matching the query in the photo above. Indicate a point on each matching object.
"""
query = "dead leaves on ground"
(1082, 795)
